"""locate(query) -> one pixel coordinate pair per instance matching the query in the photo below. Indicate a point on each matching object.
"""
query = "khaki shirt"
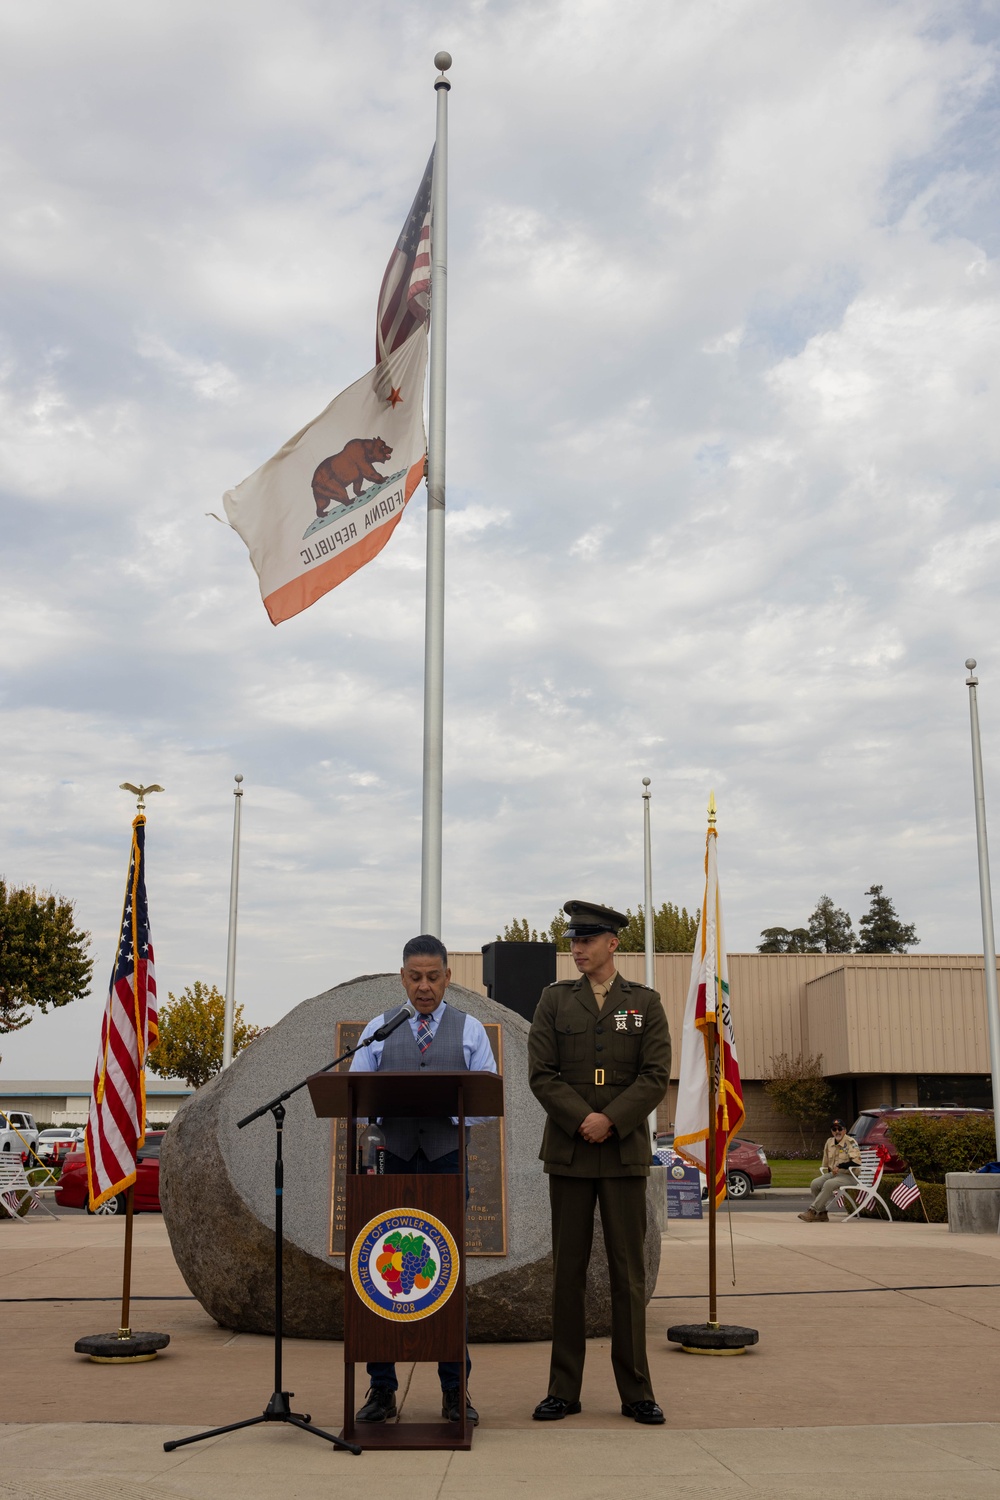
(848, 1153)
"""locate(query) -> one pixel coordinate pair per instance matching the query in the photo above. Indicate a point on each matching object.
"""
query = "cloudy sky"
(722, 466)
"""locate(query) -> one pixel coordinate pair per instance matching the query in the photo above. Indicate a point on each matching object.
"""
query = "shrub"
(932, 1194)
(931, 1148)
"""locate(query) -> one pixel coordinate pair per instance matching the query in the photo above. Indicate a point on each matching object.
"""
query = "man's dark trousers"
(383, 1372)
(623, 1215)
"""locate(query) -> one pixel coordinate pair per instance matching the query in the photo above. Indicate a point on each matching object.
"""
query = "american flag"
(405, 298)
(116, 1125)
(906, 1193)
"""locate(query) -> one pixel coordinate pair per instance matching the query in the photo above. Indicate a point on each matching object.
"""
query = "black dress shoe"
(644, 1411)
(380, 1405)
(554, 1408)
(451, 1408)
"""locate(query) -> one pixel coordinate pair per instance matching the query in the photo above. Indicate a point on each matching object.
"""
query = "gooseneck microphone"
(394, 1022)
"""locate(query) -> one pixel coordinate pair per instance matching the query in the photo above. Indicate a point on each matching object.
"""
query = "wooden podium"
(404, 1247)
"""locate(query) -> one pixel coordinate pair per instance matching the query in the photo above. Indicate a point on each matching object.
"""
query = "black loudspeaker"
(516, 973)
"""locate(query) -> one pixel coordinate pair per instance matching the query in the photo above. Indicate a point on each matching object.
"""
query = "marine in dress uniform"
(599, 1064)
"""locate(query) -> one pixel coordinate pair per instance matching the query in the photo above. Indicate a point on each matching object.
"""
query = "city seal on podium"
(404, 1265)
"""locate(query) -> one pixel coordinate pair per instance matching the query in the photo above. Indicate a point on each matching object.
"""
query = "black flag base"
(121, 1348)
(712, 1338)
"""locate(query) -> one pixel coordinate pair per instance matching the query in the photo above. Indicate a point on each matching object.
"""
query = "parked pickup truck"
(18, 1131)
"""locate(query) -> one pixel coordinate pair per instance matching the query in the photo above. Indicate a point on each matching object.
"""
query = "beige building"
(56, 1102)
(891, 1028)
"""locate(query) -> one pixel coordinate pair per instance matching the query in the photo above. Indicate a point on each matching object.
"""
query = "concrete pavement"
(856, 1388)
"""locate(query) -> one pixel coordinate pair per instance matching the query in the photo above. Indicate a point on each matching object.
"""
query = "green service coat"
(615, 1061)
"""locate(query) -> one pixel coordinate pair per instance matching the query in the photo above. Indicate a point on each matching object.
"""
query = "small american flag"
(116, 1124)
(906, 1193)
(405, 298)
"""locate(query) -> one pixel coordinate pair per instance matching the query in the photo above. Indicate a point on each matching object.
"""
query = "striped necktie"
(424, 1037)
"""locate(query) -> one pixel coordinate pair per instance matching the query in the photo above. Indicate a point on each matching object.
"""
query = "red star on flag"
(394, 397)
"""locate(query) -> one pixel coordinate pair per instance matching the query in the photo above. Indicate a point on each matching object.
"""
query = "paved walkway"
(877, 1375)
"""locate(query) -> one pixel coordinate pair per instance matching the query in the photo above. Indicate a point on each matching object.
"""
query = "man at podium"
(441, 1037)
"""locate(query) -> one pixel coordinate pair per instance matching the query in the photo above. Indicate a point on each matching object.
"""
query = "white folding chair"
(15, 1187)
(865, 1186)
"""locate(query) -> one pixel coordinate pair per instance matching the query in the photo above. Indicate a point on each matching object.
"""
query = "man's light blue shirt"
(475, 1047)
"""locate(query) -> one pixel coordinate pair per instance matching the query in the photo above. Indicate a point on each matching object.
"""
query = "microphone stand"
(279, 1408)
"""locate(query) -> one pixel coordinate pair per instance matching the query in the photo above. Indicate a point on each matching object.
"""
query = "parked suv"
(18, 1131)
(871, 1128)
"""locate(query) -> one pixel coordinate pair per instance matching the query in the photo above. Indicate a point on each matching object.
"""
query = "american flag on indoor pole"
(116, 1125)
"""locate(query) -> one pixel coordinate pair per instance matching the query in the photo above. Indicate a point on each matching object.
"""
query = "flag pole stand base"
(122, 1348)
(712, 1338)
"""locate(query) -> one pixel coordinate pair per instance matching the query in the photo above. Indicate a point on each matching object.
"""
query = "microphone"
(393, 1023)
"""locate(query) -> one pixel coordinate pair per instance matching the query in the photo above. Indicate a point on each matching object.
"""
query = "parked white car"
(53, 1145)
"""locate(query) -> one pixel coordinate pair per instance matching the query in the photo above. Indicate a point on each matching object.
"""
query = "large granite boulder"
(217, 1187)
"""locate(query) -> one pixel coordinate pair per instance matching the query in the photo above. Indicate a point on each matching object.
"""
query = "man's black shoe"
(381, 1404)
(554, 1408)
(644, 1411)
(451, 1408)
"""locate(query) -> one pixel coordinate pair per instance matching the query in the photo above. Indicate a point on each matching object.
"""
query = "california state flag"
(330, 499)
(709, 1036)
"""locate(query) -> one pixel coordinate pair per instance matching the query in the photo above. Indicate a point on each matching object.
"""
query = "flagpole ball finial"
(972, 679)
(645, 783)
(442, 61)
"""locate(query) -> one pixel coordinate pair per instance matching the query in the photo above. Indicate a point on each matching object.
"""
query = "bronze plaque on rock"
(486, 1215)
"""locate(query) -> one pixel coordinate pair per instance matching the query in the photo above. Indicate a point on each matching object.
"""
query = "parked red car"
(71, 1189)
(871, 1128)
(748, 1165)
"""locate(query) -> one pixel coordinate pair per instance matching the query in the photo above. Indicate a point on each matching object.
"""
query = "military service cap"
(586, 919)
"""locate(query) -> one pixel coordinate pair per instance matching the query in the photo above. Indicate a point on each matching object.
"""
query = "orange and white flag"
(709, 1070)
(330, 499)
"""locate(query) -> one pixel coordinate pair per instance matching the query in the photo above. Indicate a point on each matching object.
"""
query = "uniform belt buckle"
(599, 1077)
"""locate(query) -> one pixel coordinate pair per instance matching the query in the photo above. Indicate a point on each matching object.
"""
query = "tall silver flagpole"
(985, 901)
(650, 932)
(430, 854)
(234, 893)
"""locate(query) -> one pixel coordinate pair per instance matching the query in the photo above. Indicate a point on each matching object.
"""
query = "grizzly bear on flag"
(349, 468)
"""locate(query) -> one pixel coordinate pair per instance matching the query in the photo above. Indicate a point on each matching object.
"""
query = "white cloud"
(722, 465)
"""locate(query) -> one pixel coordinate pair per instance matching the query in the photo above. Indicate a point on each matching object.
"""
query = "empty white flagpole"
(650, 924)
(430, 858)
(229, 1014)
(985, 898)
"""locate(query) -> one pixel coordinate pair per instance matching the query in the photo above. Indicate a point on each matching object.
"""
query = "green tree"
(43, 955)
(797, 1089)
(191, 1026)
(830, 929)
(880, 929)
(674, 931)
(781, 940)
(520, 931)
